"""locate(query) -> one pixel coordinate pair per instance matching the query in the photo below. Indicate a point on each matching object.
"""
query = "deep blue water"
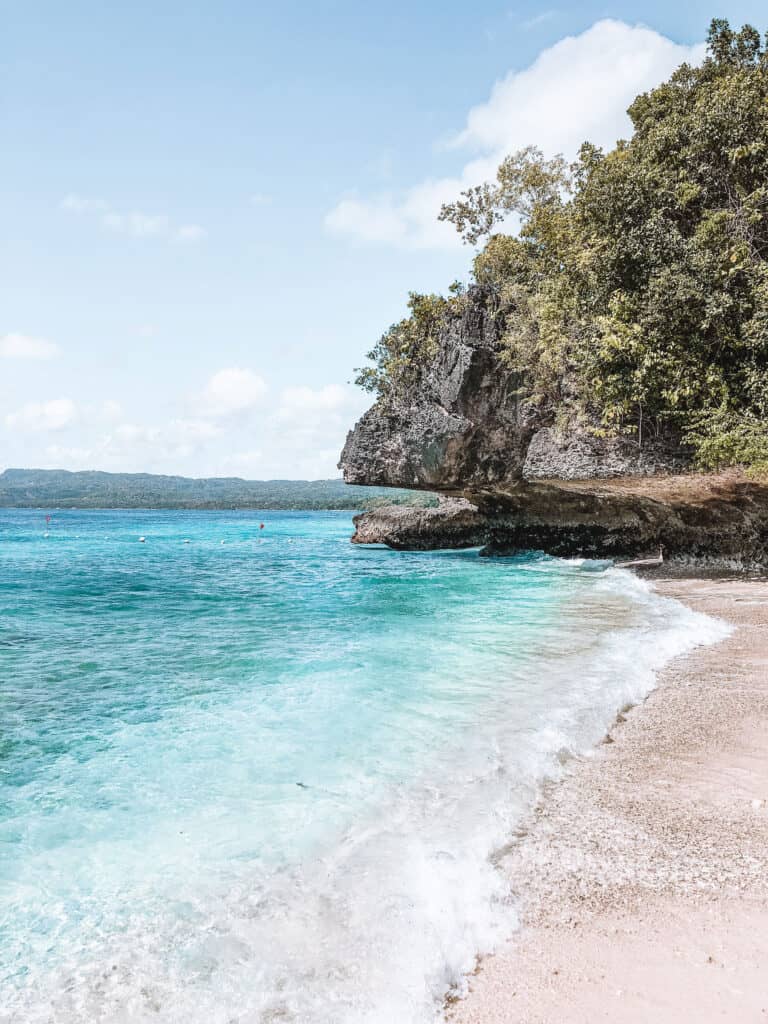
(256, 774)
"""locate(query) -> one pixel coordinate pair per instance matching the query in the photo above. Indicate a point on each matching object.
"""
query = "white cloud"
(577, 89)
(195, 430)
(574, 91)
(23, 346)
(132, 433)
(190, 233)
(313, 463)
(79, 204)
(53, 415)
(109, 410)
(133, 223)
(233, 390)
(238, 428)
(138, 225)
(146, 443)
(243, 462)
(301, 400)
(409, 221)
(379, 220)
(64, 457)
(319, 414)
(309, 430)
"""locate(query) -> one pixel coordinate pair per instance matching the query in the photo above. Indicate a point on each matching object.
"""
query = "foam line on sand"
(643, 875)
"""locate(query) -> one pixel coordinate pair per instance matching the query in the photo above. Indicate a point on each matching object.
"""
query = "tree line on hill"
(52, 488)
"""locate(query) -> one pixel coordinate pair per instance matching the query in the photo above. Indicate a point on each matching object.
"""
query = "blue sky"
(211, 211)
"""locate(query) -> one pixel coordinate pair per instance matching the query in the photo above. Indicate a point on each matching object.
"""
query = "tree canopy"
(634, 292)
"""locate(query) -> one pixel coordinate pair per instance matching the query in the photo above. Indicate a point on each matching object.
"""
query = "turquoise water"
(256, 774)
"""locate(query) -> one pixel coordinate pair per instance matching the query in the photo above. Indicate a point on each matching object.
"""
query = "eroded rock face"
(553, 456)
(465, 433)
(463, 429)
(455, 523)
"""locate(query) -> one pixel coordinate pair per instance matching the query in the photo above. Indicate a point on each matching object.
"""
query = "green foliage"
(403, 351)
(724, 438)
(634, 294)
(525, 185)
(635, 290)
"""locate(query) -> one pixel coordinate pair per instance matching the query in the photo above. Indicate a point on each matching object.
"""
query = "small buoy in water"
(186, 541)
(261, 526)
(142, 540)
(223, 542)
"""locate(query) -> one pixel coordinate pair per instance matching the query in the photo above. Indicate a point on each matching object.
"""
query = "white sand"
(645, 872)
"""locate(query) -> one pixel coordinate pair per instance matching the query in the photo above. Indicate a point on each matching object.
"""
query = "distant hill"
(58, 488)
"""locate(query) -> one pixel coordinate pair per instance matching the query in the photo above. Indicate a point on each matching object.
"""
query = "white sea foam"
(377, 920)
(265, 783)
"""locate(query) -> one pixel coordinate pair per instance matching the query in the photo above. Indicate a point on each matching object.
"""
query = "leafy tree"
(526, 184)
(635, 290)
(403, 351)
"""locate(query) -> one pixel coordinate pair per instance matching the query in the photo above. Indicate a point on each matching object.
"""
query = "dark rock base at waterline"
(714, 517)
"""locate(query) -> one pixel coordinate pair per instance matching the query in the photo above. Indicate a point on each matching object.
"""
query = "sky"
(211, 211)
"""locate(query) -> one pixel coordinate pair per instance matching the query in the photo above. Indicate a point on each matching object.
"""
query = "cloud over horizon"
(24, 346)
(133, 223)
(55, 414)
(576, 90)
(234, 424)
(232, 390)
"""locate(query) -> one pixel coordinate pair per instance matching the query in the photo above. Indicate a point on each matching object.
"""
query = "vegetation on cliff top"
(634, 293)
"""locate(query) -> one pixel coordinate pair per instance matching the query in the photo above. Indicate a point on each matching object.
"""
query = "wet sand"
(645, 871)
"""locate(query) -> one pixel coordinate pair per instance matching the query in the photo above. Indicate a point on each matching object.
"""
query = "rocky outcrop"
(462, 429)
(464, 432)
(715, 518)
(581, 456)
(455, 523)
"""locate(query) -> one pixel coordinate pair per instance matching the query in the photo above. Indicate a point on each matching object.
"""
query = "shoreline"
(645, 869)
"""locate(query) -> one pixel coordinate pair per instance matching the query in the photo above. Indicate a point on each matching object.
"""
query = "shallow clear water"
(258, 776)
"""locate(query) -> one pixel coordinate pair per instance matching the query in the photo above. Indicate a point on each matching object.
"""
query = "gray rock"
(582, 456)
(464, 432)
(721, 519)
(463, 428)
(455, 523)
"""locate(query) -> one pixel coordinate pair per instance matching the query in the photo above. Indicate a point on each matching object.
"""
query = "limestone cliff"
(463, 431)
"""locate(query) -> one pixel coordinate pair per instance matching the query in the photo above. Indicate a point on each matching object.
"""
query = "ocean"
(259, 774)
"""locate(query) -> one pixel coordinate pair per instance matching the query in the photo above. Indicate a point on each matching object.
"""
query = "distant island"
(34, 488)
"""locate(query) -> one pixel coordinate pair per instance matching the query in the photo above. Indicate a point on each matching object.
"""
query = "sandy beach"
(645, 870)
